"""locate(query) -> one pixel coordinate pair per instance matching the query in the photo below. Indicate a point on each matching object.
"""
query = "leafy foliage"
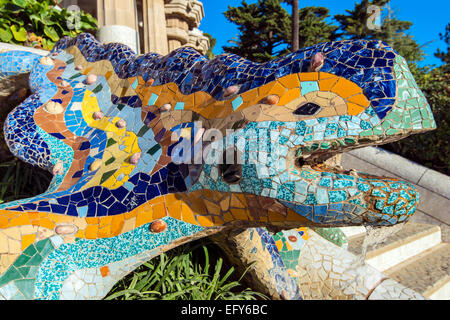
(181, 274)
(39, 24)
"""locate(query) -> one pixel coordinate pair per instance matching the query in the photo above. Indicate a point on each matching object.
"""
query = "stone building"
(147, 25)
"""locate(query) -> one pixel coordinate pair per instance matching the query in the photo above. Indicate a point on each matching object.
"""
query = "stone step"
(411, 240)
(427, 273)
(352, 232)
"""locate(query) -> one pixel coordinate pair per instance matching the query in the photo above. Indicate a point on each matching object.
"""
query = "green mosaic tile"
(154, 149)
(366, 133)
(35, 260)
(143, 131)
(110, 142)
(110, 160)
(11, 274)
(26, 287)
(390, 132)
(107, 175)
(97, 89)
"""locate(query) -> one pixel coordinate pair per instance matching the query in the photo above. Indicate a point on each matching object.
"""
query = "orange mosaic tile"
(104, 271)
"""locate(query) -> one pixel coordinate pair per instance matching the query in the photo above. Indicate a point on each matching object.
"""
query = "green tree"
(264, 27)
(212, 43)
(263, 37)
(353, 25)
(313, 28)
(444, 56)
(432, 148)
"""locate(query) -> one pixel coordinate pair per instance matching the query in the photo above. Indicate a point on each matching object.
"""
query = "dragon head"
(149, 152)
(271, 136)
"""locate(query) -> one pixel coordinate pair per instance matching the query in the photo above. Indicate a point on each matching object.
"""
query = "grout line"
(418, 182)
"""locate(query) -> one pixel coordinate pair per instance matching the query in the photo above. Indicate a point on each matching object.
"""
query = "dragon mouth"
(378, 200)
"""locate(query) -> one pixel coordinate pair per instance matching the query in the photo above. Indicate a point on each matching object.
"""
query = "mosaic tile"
(140, 140)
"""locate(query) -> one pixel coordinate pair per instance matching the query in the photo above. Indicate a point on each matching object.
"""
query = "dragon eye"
(307, 109)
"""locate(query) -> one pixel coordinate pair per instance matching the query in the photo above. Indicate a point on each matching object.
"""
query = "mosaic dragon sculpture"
(135, 145)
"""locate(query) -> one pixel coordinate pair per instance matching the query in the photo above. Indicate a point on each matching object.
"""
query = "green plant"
(39, 23)
(181, 274)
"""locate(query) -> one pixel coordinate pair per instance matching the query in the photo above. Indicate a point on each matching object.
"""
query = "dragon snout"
(327, 195)
(390, 199)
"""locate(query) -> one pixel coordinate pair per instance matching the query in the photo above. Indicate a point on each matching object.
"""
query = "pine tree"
(444, 56)
(212, 43)
(313, 28)
(264, 27)
(257, 26)
(353, 25)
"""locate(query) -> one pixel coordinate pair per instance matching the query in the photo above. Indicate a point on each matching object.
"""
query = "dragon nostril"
(231, 173)
(308, 109)
(231, 170)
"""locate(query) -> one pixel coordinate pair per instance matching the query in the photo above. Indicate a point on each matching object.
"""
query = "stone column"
(198, 41)
(155, 27)
(182, 17)
(117, 20)
(117, 12)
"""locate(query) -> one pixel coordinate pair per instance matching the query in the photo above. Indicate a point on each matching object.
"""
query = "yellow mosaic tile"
(27, 240)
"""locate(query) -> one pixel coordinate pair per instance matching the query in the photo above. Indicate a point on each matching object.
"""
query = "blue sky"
(429, 18)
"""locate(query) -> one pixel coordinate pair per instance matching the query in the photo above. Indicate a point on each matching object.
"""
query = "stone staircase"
(415, 256)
